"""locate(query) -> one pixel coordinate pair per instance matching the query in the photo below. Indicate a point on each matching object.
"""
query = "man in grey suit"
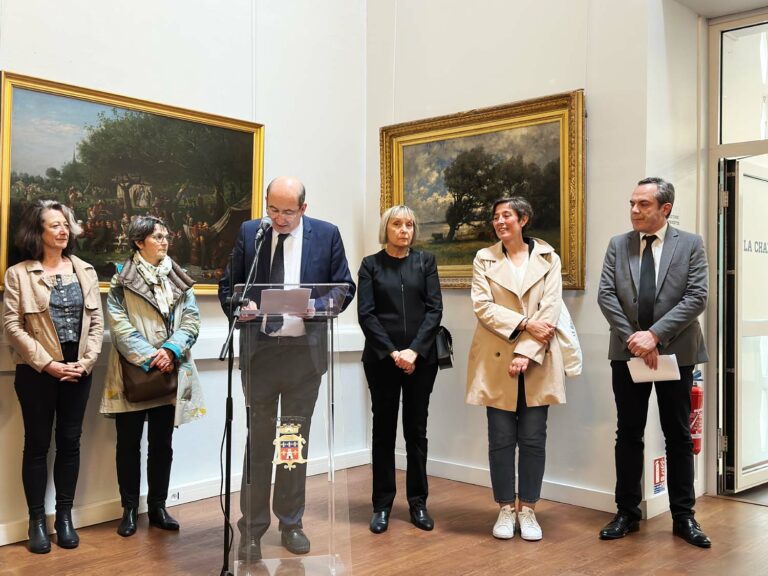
(652, 303)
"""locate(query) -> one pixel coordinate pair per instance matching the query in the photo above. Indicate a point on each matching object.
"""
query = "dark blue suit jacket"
(323, 260)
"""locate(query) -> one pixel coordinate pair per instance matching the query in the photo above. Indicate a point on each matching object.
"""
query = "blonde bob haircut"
(394, 212)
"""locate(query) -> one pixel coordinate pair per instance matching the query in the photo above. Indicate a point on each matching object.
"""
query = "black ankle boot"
(66, 537)
(128, 523)
(39, 542)
(158, 516)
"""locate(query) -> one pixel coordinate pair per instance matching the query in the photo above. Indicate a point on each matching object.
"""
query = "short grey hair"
(393, 212)
(665, 192)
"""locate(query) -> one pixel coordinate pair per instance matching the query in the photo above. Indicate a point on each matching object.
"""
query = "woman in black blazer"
(399, 308)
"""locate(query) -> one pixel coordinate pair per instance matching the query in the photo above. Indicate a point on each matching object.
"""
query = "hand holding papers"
(667, 369)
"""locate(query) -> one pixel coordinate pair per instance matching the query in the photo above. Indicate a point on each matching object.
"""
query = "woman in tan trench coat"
(515, 365)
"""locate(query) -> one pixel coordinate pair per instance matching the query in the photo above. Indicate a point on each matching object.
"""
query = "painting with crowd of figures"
(111, 158)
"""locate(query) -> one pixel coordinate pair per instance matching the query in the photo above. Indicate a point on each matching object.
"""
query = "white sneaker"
(529, 528)
(504, 528)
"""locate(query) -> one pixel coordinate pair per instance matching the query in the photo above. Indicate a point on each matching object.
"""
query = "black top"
(399, 304)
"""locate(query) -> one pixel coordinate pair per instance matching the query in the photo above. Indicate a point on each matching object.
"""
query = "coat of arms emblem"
(288, 446)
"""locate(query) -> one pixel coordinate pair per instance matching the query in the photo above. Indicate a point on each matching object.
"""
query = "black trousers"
(674, 400)
(386, 382)
(276, 369)
(130, 428)
(43, 397)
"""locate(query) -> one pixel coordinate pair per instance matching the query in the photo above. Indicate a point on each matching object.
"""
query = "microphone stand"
(228, 352)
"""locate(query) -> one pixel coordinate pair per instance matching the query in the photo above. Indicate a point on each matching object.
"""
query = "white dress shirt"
(292, 325)
(656, 248)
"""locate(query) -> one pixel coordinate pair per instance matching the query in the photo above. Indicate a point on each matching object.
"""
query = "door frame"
(716, 331)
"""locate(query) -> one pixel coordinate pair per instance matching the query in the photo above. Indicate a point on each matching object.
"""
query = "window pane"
(744, 102)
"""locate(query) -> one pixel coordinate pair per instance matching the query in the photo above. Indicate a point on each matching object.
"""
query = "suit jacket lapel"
(265, 259)
(667, 251)
(306, 248)
(633, 250)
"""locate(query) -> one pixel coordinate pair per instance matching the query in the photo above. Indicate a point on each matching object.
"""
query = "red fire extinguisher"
(697, 411)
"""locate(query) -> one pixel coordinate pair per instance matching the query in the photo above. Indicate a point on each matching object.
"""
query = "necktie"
(647, 293)
(277, 276)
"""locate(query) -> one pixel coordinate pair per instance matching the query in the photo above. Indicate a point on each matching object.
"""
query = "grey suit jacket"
(681, 295)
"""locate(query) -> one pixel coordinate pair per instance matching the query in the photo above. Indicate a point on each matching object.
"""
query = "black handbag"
(140, 386)
(444, 343)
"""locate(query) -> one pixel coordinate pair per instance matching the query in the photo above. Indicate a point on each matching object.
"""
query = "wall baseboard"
(108, 510)
(555, 491)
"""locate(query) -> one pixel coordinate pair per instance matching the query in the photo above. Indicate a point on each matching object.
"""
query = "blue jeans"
(525, 429)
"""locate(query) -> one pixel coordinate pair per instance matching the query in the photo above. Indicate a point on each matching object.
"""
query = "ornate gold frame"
(566, 108)
(11, 81)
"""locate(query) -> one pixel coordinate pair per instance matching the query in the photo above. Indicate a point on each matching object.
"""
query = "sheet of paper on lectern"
(289, 301)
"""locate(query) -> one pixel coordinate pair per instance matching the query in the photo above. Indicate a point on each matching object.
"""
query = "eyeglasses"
(161, 237)
(289, 214)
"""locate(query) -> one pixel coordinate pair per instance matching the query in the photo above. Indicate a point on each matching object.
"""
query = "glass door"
(744, 322)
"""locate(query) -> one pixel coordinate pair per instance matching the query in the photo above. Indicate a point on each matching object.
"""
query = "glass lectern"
(293, 502)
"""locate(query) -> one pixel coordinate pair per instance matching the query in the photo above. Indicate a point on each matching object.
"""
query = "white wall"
(675, 149)
(296, 67)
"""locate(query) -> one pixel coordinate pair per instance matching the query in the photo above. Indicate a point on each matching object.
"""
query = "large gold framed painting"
(450, 169)
(111, 158)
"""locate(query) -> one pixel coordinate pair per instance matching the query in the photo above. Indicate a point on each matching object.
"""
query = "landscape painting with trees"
(451, 169)
(111, 159)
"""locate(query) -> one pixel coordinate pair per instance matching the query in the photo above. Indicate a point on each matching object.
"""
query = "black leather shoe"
(39, 542)
(159, 517)
(620, 526)
(128, 523)
(690, 531)
(66, 536)
(421, 519)
(294, 540)
(249, 550)
(380, 522)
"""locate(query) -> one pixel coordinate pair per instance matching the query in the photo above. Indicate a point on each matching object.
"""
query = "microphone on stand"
(266, 224)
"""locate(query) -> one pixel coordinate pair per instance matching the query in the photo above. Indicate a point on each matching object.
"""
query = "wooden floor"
(461, 543)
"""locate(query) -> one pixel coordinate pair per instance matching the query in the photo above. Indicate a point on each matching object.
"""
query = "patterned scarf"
(157, 278)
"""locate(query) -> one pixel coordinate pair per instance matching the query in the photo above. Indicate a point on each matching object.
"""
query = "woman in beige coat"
(515, 365)
(53, 321)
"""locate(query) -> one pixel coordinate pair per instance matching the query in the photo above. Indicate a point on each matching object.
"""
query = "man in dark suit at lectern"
(288, 360)
(652, 290)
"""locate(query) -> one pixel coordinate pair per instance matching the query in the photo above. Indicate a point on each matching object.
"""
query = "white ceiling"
(715, 8)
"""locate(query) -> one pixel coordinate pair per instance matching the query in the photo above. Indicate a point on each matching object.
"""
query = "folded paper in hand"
(666, 369)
